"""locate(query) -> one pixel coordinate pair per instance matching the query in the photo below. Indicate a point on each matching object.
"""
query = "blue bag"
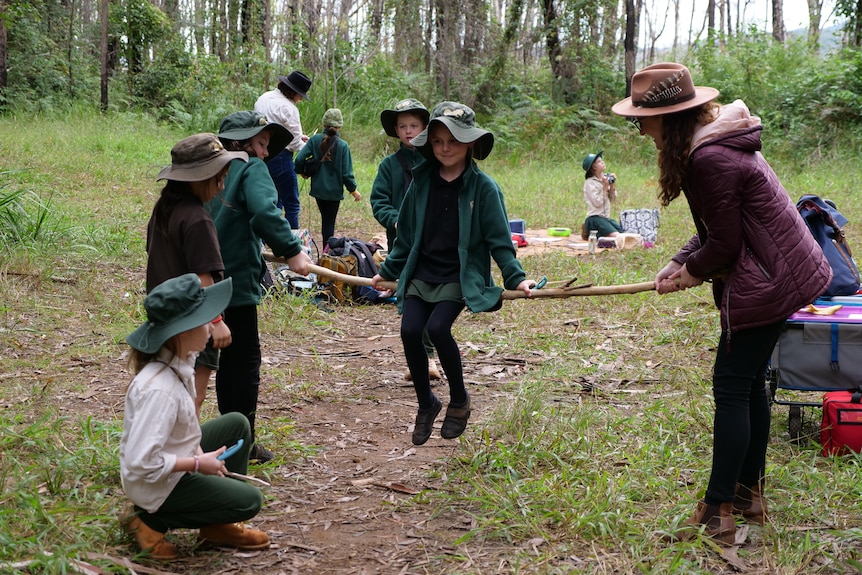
(825, 223)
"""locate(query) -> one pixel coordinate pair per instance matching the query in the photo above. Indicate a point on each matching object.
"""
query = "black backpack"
(362, 251)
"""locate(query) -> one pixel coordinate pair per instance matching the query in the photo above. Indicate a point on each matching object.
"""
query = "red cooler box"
(841, 426)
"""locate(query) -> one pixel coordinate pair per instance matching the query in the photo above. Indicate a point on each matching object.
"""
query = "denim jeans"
(283, 174)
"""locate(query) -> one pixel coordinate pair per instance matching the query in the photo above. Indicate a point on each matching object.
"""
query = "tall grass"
(603, 444)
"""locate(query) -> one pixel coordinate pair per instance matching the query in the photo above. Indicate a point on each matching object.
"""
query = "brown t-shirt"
(188, 243)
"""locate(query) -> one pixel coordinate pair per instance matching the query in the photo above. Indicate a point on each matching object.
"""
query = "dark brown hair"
(677, 130)
(331, 133)
(287, 91)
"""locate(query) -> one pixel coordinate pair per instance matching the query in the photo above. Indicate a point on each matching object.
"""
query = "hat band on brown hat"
(667, 97)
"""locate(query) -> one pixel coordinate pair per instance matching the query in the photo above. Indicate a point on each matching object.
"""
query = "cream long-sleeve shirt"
(598, 202)
(278, 108)
(159, 426)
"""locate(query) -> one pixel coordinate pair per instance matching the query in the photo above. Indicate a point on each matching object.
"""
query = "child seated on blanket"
(599, 192)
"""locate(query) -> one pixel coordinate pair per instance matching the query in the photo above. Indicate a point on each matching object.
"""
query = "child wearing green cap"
(244, 214)
(404, 121)
(170, 464)
(599, 192)
(452, 223)
(335, 171)
(182, 238)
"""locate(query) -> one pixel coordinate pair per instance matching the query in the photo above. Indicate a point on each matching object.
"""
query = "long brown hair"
(330, 134)
(677, 131)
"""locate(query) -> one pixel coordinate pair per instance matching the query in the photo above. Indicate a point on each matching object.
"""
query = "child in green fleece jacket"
(452, 222)
(334, 173)
(244, 214)
(404, 121)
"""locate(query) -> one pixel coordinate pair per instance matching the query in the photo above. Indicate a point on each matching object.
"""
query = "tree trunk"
(198, 28)
(552, 39)
(103, 51)
(630, 43)
(814, 15)
(487, 91)
(70, 49)
(778, 21)
(610, 25)
(4, 69)
(857, 31)
(376, 23)
(710, 28)
(266, 33)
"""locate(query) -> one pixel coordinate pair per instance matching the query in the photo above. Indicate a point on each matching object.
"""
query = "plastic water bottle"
(594, 239)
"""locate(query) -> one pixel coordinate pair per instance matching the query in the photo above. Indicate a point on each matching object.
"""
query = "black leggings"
(328, 213)
(419, 316)
(238, 375)
(742, 415)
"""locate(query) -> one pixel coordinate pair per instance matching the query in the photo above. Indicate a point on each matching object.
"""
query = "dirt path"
(359, 505)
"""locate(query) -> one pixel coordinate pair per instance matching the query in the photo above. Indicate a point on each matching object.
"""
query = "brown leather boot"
(749, 503)
(234, 535)
(717, 519)
(149, 540)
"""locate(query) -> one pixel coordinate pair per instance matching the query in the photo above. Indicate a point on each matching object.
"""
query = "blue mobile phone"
(230, 451)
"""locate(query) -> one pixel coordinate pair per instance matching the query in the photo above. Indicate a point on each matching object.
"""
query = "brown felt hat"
(198, 158)
(661, 89)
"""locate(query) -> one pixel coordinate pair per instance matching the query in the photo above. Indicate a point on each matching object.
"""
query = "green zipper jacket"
(388, 189)
(245, 213)
(483, 233)
(332, 176)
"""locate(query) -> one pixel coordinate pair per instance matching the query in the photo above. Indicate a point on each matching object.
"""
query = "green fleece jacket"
(388, 189)
(332, 176)
(483, 233)
(245, 213)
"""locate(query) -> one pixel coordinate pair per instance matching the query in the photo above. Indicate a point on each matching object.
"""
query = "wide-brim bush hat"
(461, 122)
(389, 118)
(588, 162)
(332, 118)
(661, 89)
(298, 82)
(248, 123)
(177, 305)
(198, 158)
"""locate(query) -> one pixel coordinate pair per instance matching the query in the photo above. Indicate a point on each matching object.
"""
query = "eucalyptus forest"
(180, 58)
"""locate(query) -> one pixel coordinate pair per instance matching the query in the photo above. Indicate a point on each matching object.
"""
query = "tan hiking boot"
(717, 519)
(749, 503)
(234, 535)
(433, 372)
(149, 540)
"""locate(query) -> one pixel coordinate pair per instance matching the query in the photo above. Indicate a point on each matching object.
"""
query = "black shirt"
(438, 262)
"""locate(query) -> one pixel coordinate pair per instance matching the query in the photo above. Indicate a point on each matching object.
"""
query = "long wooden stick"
(507, 294)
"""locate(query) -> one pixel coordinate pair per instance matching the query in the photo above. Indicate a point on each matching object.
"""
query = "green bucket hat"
(461, 121)
(198, 158)
(177, 305)
(388, 118)
(588, 162)
(332, 118)
(247, 124)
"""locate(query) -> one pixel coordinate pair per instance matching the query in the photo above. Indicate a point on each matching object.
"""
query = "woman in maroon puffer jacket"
(762, 260)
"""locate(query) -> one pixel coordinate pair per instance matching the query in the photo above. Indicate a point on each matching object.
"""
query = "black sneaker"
(425, 422)
(260, 454)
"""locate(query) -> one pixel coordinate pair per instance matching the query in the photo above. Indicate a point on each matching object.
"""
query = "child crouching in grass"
(169, 462)
(452, 222)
